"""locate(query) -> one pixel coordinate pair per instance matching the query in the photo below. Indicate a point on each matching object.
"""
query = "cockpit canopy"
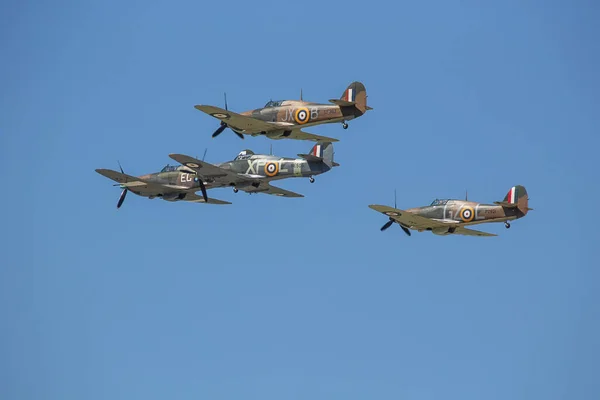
(169, 168)
(439, 202)
(244, 154)
(272, 103)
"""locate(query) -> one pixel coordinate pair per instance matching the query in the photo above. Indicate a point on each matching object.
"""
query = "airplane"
(444, 217)
(248, 172)
(283, 119)
(170, 184)
(252, 173)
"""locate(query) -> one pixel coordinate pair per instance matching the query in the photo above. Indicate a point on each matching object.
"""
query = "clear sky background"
(274, 298)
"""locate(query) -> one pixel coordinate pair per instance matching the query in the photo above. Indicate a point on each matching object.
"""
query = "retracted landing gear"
(311, 179)
(344, 125)
(507, 224)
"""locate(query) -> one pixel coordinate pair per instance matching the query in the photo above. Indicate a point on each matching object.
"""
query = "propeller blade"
(405, 230)
(387, 225)
(219, 129)
(225, 95)
(122, 198)
(239, 134)
(203, 188)
(121, 168)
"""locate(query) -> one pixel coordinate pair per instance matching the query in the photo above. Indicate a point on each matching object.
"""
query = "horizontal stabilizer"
(342, 103)
(311, 158)
(506, 204)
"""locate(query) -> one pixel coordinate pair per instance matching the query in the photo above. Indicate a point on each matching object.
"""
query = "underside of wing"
(239, 122)
(266, 188)
(408, 219)
(299, 134)
(194, 198)
(470, 232)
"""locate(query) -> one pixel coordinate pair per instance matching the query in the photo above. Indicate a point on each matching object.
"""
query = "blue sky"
(274, 298)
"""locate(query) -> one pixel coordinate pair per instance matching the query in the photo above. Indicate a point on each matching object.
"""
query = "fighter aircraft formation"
(253, 173)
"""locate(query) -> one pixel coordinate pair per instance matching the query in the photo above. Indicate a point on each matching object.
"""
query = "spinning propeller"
(124, 192)
(202, 187)
(392, 220)
(223, 125)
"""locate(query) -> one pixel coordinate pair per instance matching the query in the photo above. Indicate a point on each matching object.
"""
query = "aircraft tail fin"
(516, 198)
(355, 95)
(321, 152)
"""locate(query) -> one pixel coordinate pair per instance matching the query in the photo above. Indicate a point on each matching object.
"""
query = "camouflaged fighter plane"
(283, 119)
(171, 184)
(252, 173)
(444, 217)
(248, 172)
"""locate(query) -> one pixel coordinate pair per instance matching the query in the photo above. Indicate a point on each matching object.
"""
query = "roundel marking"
(301, 115)
(467, 214)
(192, 165)
(271, 168)
(220, 115)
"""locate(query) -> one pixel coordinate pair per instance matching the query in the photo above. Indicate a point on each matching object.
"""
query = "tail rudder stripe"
(317, 150)
(350, 94)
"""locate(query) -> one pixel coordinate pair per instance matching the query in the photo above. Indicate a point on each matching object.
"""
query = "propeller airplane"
(284, 119)
(444, 217)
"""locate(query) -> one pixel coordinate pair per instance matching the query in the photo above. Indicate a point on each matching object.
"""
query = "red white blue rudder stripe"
(350, 94)
(512, 195)
(317, 151)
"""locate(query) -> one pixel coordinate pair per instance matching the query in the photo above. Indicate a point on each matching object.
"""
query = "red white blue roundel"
(467, 214)
(220, 115)
(302, 115)
(271, 168)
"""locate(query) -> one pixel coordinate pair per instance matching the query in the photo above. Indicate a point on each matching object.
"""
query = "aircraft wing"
(129, 181)
(138, 185)
(202, 168)
(267, 188)
(409, 219)
(299, 134)
(238, 121)
(194, 198)
(470, 232)
(251, 125)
